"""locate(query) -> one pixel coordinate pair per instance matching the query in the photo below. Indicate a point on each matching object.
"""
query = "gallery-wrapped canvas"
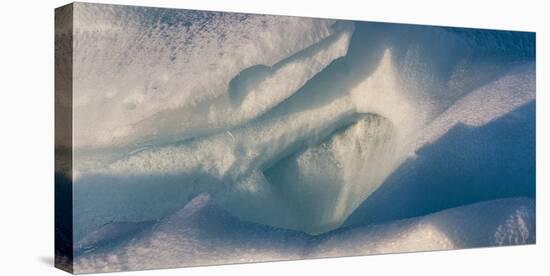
(187, 138)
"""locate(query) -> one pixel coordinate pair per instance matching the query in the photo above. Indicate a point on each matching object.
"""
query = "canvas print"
(188, 138)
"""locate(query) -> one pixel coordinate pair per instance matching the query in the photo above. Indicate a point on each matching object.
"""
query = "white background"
(27, 131)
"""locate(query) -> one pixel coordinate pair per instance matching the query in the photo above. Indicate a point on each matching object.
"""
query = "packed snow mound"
(491, 223)
(482, 147)
(295, 129)
(202, 233)
(147, 75)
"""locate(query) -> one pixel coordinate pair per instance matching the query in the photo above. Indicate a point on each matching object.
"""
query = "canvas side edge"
(64, 249)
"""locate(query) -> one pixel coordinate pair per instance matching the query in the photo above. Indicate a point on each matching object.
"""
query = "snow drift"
(203, 234)
(296, 127)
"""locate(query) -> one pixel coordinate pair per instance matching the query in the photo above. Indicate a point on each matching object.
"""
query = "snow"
(201, 233)
(300, 137)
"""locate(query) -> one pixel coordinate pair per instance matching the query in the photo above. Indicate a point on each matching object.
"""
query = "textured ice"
(301, 137)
